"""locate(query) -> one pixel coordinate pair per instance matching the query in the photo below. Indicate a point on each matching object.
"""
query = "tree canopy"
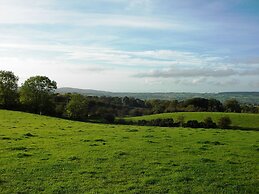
(77, 108)
(8, 89)
(37, 94)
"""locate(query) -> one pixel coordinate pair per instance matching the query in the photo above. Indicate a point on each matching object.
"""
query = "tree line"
(223, 122)
(37, 95)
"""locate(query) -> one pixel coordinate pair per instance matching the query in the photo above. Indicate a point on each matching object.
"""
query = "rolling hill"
(243, 97)
(239, 120)
(41, 154)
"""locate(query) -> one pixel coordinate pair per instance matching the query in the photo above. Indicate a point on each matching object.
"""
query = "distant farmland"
(243, 97)
(242, 120)
(47, 155)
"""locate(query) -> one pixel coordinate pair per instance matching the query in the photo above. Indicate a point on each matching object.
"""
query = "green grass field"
(242, 120)
(41, 154)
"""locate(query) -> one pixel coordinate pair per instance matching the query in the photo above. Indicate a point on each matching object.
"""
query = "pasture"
(239, 120)
(40, 154)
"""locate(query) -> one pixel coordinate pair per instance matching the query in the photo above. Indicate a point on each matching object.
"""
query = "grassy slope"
(48, 155)
(243, 120)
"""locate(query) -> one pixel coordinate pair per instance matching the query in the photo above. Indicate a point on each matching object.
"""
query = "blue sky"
(134, 45)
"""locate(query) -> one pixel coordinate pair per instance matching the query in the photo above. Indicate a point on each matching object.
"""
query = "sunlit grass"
(243, 120)
(47, 155)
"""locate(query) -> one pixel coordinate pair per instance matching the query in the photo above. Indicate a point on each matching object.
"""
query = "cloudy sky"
(134, 45)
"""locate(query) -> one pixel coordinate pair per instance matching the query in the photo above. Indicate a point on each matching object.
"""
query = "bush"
(180, 120)
(121, 122)
(193, 124)
(108, 118)
(224, 122)
(142, 122)
(208, 123)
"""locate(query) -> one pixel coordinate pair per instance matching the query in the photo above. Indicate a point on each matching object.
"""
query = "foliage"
(193, 124)
(77, 108)
(232, 105)
(36, 94)
(8, 90)
(224, 122)
(181, 120)
(239, 120)
(208, 123)
(108, 118)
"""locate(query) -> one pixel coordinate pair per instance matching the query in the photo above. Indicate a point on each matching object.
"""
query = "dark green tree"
(224, 122)
(208, 123)
(181, 120)
(77, 108)
(232, 105)
(37, 95)
(8, 89)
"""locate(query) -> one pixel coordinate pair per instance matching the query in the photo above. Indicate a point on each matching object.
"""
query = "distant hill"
(88, 92)
(243, 97)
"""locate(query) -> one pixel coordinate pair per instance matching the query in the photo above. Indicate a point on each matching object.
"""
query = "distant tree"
(126, 101)
(215, 105)
(172, 106)
(37, 94)
(180, 120)
(169, 122)
(197, 104)
(108, 118)
(224, 122)
(61, 101)
(232, 105)
(77, 108)
(208, 123)
(136, 112)
(157, 106)
(193, 124)
(142, 122)
(8, 89)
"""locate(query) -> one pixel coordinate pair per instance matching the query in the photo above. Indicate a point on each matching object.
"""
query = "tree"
(193, 124)
(37, 94)
(180, 120)
(108, 118)
(224, 122)
(8, 89)
(232, 105)
(215, 105)
(77, 108)
(208, 123)
(197, 104)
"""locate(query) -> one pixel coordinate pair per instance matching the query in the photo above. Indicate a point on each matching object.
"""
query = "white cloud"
(17, 13)
(188, 72)
(162, 62)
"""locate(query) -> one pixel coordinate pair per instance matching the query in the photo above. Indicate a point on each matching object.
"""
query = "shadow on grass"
(244, 128)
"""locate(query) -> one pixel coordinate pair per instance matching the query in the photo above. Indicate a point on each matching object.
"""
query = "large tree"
(232, 105)
(8, 89)
(37, 94)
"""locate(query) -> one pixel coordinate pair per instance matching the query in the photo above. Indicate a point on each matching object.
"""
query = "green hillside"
(41, 154)
(243, 120)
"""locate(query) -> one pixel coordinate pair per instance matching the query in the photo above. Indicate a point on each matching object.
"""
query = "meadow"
(244, 121)
(40, 154)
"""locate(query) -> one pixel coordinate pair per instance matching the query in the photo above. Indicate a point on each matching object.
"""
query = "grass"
(47, 155)
(239, 120)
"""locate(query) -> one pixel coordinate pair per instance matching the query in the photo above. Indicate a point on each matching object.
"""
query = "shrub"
(208, 123)
(142, 122)
(180, 120)
(224, 122)
(121, 122)
(193, 124)
(108, 118)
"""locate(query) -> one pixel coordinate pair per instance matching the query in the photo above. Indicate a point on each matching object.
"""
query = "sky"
(133, 45)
